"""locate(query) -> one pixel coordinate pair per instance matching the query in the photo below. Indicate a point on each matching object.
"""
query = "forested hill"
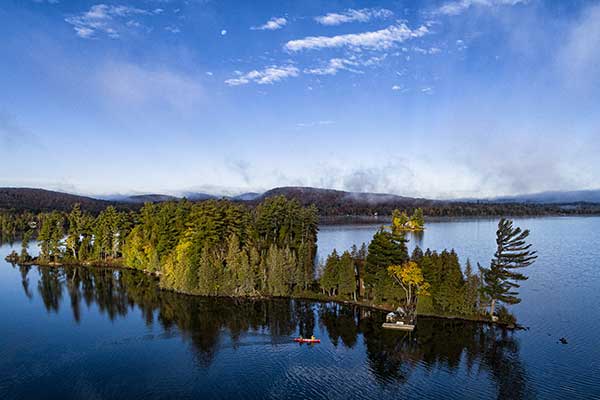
(332, 203)
(40, 200)
(329, 202)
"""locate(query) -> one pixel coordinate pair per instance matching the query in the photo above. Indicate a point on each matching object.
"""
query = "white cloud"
(224, 32)
(459, 6)
(271, 25)
(106, 19)
(375, 40)
(333, 66)
(347, 64)
(268, 75)
(427, 90)
(351, 15)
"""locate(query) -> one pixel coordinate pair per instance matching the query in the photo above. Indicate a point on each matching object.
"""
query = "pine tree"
(73, 240)
(385, 249)
(471, 291)
(24, 257)
(330, 277)
(347, 276)
(232, 274)
(44, 237)
(512, 254)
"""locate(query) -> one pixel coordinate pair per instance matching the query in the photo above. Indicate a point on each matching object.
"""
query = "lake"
(75, 332)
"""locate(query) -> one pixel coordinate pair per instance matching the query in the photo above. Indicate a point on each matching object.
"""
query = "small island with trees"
(401, 222)
(223, 248)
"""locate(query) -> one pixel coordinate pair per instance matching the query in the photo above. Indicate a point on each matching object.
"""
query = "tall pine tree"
(512, 254)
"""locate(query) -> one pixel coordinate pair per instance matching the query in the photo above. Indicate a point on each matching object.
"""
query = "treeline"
(223, 248)
(13, 225)
(337, 203)
(215, 247)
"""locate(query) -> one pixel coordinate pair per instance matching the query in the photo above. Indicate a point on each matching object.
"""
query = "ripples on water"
(97, 333)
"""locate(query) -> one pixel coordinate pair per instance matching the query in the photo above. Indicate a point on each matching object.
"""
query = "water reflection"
(391, 357)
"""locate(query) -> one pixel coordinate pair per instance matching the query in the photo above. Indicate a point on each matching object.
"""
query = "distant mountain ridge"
(330, 202)
(41, 200)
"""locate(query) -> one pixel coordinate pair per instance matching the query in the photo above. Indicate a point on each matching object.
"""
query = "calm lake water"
(71, 333)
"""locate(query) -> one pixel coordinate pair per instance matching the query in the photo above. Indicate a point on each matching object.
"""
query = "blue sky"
(442, 99)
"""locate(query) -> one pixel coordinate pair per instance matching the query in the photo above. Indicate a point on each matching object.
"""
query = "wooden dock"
(401, 327)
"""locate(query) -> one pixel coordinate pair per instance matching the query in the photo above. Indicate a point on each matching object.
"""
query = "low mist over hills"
(555, 197)
(329, 202)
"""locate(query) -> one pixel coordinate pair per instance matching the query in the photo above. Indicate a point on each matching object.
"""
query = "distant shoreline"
(384, 219)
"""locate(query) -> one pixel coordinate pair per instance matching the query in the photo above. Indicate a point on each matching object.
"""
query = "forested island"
(223, 248)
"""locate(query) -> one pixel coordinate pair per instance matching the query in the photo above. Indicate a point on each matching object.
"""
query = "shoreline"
(316, 297)
(332, 221)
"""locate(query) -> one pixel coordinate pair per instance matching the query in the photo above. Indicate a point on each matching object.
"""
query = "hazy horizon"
(435, 99)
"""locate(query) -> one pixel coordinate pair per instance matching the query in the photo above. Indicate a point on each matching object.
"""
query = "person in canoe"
(312, 339)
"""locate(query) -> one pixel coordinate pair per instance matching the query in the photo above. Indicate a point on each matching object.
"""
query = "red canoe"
(302, 340)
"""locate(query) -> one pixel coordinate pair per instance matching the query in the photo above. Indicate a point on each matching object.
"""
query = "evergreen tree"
(280, 262)
(56, 236)
(44, 237)
(347, 276)
(472, 290)
(73, 241)
(512, 254)
(24, 256)
(330, 277)
(246, 276)
(385, 249)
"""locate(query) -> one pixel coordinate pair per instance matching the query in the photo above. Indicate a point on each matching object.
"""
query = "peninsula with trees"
(224, 248)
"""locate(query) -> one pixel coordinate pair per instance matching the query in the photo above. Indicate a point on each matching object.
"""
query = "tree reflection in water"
(205, 322)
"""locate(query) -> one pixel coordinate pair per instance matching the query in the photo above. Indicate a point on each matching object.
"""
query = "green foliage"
(505, 317)
(385, 249)
(339, 275)
(347, 276)
(329, 278)
(512, 254)
(401, 222)
(24, 256)
(223, 248)
(50, 236)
